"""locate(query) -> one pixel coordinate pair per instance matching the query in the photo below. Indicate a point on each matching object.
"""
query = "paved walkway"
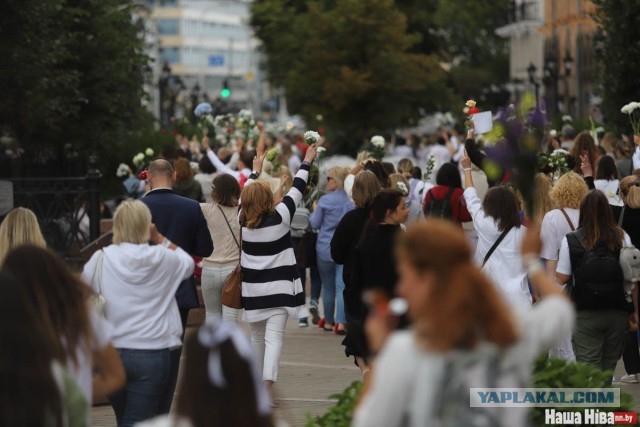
(312, 367)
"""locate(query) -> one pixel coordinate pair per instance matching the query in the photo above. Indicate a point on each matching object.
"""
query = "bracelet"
(466, 169)
(532, 264)
(166, 242)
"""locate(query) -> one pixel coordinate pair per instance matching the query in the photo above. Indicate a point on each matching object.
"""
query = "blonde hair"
(365, 188)
(131, 223)
(256, 200)
(20, 227)
(569, 191)
(630, 189)
(405, 167)
(396, 178)
(339, 174)
(541, 199)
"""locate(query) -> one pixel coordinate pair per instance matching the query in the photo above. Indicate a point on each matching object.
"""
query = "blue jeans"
(332, 289)
(148, 374)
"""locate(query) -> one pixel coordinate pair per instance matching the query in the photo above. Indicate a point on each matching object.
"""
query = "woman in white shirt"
(498, 225)
(222, 221)
(607, 180)
(139, 283)
(462, 331)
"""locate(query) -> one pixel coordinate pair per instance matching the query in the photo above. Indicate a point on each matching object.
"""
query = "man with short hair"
(182, 222)
(567, 137)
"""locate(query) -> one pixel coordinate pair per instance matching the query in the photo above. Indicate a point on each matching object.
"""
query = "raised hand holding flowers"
(312, 137)
(633, 110)
(470, 110)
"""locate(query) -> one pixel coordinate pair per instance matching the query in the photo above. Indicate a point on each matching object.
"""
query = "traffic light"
(225, 92)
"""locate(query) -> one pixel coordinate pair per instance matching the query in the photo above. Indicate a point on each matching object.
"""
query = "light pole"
(165, 98)
(551, 79)
(568, 62)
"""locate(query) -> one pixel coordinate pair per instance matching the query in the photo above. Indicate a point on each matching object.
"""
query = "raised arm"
(220, 166)
(288, 205)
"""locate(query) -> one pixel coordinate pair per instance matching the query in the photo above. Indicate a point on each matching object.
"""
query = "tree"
(72, 79)
(351, 64)
(619, 24)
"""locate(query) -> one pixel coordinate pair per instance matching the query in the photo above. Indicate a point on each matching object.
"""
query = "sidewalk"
(312, 367)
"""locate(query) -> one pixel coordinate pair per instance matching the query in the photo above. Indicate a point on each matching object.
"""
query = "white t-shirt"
(611, 189)
(554, 227)
(564, 261)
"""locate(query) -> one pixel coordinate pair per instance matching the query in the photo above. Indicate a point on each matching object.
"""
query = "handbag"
(232, 289)
(98, 301)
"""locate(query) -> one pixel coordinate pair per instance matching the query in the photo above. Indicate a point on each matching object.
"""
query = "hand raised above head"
(311, 153)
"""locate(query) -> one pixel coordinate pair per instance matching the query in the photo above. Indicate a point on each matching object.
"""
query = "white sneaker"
(630, 379)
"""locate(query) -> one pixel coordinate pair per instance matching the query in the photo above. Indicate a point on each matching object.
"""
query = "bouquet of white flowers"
(240, 126)
(633, 110)
(142, 160)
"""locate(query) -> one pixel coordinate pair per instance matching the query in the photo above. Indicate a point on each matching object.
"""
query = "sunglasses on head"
(329, 178)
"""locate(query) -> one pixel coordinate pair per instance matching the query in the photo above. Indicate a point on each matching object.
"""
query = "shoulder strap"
(568, 219)
(495, 245)
(229, 225)
(621, 217)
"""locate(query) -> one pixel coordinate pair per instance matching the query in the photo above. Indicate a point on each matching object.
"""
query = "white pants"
(212, 282)
(266, 339)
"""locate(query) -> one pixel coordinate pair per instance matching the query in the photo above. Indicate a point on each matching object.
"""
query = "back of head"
(339, 174)
(379, 172)
(405, 167)
(246, 157)
(607, 169)
(462, 307)
(630, 189)
(225, 190)
(416, 173)
(28, 392)
(257, 201)
(388, 167)
(207, 405)
(541, 199)
(501, 204)
(584, 143)
(58, 297)
(449, 175)
(365, 188)
(160, 173)
(596, 221)
(569, 191)
(19, 227)
(131, 223)
(568, 132)
(609, 142)
(399, 182)
(183, 170)
(206, 166)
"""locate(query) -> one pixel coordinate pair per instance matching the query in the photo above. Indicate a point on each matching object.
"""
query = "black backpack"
(440, 208)
(598, 280)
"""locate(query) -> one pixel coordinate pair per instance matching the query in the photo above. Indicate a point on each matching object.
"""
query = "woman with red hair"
(464, 334)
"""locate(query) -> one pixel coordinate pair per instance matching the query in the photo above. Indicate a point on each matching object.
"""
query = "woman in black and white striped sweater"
(271, 285)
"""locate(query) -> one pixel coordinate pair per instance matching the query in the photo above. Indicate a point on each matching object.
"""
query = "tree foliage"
(368, 66)
(351, 64)
(619, 24)
(71, 79)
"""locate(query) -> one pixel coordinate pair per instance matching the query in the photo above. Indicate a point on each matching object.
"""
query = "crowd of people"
(488, 282)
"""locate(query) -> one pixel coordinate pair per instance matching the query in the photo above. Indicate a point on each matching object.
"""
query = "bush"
(341, 413)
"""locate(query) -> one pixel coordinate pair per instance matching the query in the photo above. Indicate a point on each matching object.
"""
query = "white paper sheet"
(483, 122)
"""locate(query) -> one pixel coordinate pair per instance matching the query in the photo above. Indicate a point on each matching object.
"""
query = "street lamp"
(531, 70)
(568, 61)
(163, 86)
(551, 79)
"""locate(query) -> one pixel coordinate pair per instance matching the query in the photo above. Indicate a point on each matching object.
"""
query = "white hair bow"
(214, 333)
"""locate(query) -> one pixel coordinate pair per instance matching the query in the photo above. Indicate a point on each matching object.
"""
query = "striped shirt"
(270, 278)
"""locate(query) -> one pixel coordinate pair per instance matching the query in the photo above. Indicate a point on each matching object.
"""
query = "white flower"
(553, 133)
(149, 152)
(567, 118)
(559, 152)
(311, 137)
(550, 164)
(245, 115)
(377, 141)
(402, 187)
(138, 159)
(123, 170)
(470, 103)
(321, 150)
(599, 129)
(219, 121)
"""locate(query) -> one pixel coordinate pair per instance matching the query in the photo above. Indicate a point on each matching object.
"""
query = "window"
(167, 26)
(169, 54)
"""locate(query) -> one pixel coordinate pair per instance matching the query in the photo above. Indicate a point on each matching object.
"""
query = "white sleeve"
(474, 205)
(627, 240)
(564, 261)
(548, 234)
(390, 383)
(348, 184)
(102, 330)
(179, 263)
(89, 271)
(221, 167)
(636, 158)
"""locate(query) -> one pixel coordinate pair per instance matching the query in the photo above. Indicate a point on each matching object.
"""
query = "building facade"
(207, 46)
